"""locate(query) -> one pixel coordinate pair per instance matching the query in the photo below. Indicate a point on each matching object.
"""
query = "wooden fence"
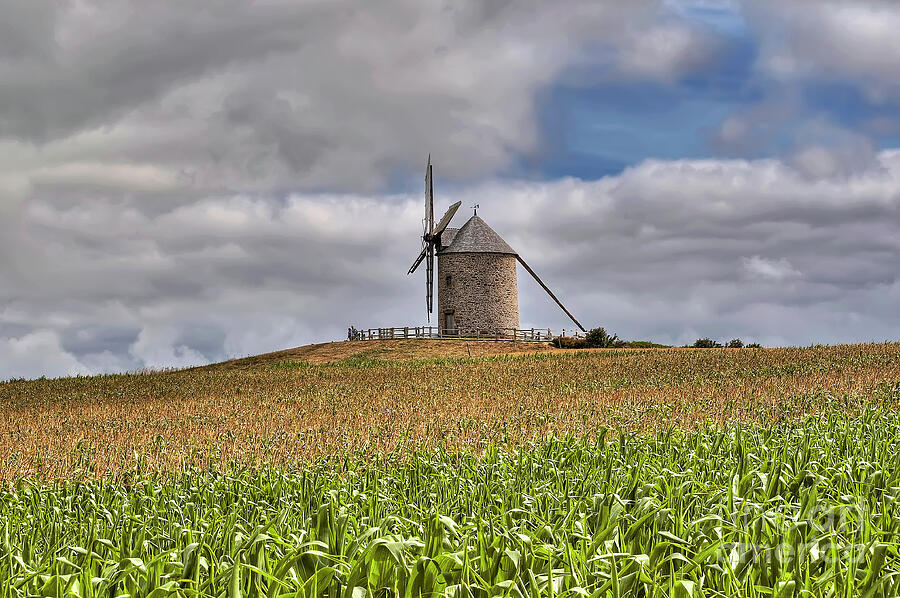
(508, 334)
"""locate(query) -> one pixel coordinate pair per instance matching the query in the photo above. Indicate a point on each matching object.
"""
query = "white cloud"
(666, 52)
(817, 162)
(159, 347)
(37, 353)
(138, 177)
(832, 39)
(769, 269)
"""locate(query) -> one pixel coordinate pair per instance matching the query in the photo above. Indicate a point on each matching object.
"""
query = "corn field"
(797, 509)
(576, 475)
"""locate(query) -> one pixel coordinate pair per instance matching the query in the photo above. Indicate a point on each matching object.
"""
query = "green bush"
(735, 343)
(569, 342)
(600, 339)
(754, 346)
(706, 343)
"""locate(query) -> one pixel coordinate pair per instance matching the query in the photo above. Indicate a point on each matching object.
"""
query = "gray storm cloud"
(181, 183)
(277, 93)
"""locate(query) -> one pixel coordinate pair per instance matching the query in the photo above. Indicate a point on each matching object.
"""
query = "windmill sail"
(429, 280)
(429, 231)
(429, 200)
(418, 261)
(431, 238)
(448, 216)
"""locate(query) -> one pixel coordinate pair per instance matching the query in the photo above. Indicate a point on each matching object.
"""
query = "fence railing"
(509, 334)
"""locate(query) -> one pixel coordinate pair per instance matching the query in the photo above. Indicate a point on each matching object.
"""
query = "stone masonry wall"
(482, 291)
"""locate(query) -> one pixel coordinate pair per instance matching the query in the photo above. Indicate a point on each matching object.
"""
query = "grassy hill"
(368, 397)
(386, 350)
(409, 469)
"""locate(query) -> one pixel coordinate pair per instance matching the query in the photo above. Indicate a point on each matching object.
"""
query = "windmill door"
(449, 323)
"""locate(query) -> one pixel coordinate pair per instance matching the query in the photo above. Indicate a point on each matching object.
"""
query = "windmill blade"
(448, 216)
(429, 199)
(549, 292)
(429, 279)
(419, 260)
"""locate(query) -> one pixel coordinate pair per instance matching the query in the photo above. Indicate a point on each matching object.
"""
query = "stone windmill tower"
(477, 289)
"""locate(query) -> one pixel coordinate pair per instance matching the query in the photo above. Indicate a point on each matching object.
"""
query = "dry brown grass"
(284, 410)
(394, 350)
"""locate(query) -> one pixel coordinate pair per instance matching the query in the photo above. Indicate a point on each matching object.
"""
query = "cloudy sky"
(182, 182)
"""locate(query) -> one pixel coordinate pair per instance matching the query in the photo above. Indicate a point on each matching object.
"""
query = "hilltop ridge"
(385, 350)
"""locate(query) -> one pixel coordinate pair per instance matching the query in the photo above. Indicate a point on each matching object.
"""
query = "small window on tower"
(449, 280)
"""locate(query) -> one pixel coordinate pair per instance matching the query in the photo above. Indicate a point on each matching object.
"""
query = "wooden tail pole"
(549, 292)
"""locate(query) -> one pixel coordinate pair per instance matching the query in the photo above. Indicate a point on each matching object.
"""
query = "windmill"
(477, 286)
(431, 238)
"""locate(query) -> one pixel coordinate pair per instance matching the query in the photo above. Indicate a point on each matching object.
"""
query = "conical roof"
(476, 236)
